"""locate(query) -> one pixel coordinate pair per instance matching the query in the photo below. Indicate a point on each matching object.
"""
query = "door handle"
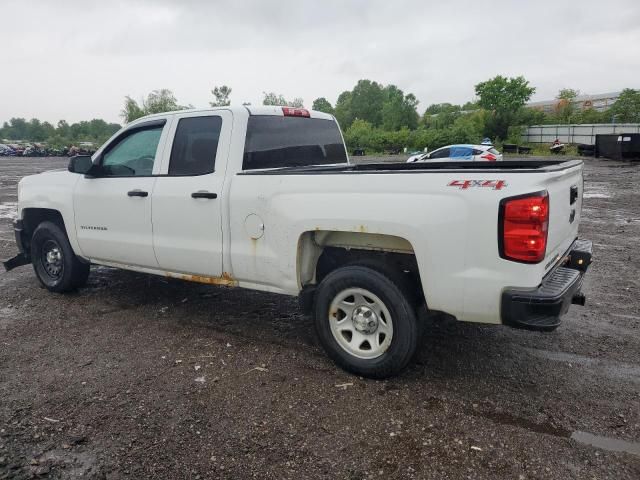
(204, 195)
(137, 193)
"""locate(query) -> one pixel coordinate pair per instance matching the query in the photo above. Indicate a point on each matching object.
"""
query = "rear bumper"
(542, 307)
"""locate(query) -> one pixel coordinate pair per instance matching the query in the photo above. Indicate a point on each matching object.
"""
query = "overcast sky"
(77, 59)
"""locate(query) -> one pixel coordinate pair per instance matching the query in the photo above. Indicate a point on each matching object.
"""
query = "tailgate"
(565, 205)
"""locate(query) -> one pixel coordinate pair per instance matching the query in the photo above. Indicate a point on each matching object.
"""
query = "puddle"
(597, 441)
(602, 366)
(8, 210)
(625, 316)
(606, 443)
(596, 190)
(511, 420)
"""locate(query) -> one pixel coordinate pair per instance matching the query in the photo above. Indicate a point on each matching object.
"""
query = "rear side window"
(274, 142)
(195, 146)
(494, 151)
(461, 152)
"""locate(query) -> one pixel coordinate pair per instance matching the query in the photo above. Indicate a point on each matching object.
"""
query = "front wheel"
(55, 264)
(366, 321)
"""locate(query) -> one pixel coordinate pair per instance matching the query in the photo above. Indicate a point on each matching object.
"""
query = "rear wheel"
(366, 322)
(58, 269)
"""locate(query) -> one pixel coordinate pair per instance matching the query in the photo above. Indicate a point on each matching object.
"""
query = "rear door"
(187, 203)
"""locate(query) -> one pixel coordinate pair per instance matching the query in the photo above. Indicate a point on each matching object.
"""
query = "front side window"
(442, 153)
(133, 155)
(278, 141)
(195, 146)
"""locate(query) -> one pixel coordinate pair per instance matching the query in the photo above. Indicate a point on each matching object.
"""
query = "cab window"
(132, 155)
(195, 146)
(275, 141)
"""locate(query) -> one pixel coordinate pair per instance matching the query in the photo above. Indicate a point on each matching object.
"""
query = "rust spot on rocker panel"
(225, 279)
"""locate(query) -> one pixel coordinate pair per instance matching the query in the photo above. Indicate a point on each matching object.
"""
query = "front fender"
(52, 191)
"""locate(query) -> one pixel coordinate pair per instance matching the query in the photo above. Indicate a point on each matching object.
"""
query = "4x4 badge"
(466, 184)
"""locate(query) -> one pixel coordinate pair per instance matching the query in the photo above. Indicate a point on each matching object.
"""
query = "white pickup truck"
(265, 198)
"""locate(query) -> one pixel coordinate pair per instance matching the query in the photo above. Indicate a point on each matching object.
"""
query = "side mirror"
(80, 164)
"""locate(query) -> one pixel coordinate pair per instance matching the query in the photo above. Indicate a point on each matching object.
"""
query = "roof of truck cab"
(252, 110)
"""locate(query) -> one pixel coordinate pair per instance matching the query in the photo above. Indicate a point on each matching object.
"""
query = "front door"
(187, 199)
(113, 209)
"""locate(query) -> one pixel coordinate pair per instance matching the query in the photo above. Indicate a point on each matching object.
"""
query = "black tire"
(396, 300)
(58, 269)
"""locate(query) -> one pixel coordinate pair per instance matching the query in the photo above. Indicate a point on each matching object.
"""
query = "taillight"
(523, 227)
(295, 112)
(489, 157)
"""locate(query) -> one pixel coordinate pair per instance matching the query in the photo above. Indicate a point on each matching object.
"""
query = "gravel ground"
(138, 376)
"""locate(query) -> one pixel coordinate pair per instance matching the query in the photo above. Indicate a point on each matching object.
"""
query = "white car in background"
(460, 153)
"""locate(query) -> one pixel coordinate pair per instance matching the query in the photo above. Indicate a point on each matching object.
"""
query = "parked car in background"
(6, 150)
(461, 153)
(35, 150)
(17, 148)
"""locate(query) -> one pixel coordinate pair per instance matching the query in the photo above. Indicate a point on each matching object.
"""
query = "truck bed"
(525, 166)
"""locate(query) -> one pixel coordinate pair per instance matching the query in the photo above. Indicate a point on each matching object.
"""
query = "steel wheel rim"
(51, 259)
(360, 323)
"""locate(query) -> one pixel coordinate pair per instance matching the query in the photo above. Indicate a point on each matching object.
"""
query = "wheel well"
(321, 252)
(32, 217)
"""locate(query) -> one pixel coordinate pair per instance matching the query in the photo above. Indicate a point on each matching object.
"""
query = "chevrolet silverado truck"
(265, 198)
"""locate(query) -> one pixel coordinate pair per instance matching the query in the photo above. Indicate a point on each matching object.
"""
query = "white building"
(599, 102)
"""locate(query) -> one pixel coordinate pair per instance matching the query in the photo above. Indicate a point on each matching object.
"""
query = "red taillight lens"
(524, 227)
(490, 157)
(295, 112)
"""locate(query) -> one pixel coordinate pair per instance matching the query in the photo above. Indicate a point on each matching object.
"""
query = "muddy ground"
(137, 376)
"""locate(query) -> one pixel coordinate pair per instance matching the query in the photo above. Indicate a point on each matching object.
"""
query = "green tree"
(158, 101)
(503, 97)
(566, 107)
(322, 105)
(627, 106)
(530, 116)
(34, 130)
(398, 109)
(441, 115)
(367, 99)
(63, 129)
(343, 112)
(221, 95)
(591, 115)
(271, 98)
(131, 110)
(438, 108)
(360, 134)
(567, 94)
(470, 106)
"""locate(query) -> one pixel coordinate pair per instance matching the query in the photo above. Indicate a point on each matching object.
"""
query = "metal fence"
(585, 133)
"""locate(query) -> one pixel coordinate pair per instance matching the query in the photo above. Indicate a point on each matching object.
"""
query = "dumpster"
(619, 146)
